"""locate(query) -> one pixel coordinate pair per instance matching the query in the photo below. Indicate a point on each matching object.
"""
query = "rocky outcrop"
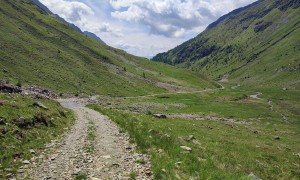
(8, 88)
(39, 93)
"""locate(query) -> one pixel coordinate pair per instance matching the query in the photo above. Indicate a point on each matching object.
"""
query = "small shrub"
(19, 84)
(132, 175)
(149, 112)
(81, 176)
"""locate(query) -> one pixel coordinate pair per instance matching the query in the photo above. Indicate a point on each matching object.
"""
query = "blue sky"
(143, 27)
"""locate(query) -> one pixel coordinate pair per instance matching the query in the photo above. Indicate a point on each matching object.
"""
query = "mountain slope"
(92, 35)
(36, 48)
(255, 44)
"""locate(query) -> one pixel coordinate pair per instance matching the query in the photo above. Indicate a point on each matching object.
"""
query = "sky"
(143, 27)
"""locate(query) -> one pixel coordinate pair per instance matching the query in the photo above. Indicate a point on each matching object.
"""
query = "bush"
(19, 84)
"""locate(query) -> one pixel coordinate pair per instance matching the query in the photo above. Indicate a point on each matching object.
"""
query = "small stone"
(151, 131)
(160, 151)
(2, 122)
(298, 154)
(41, 157)
(94, 178)
(177, 164)
(148, 172)
(9, 175)
(277, 138)
(115, 165)
(53, 158)
(161, 116)
(186, 148)
(201, 160)
(26, 162)
(106, 157)
(20, 171)
(32, 151)
(40, 105)
(253, 176)
(189, 138)
(163, 170)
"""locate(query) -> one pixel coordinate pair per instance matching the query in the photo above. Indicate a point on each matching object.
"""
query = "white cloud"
(172, 18)
(143, 27)
(69, 10)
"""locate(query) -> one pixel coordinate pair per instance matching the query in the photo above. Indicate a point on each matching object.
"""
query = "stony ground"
(94, 148)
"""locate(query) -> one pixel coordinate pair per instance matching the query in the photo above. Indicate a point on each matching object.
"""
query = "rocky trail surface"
(94, 148)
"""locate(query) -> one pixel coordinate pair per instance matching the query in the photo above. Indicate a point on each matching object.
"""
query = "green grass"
(222, 150)
(133, 175)
(27, 127)
(90, 148)
(38, 49)
(81, 176)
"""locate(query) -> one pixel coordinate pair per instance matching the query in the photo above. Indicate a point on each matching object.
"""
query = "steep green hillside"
(36, 48)
(255, 44)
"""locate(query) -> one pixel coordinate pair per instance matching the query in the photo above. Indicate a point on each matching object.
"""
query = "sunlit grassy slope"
(36, 48)
(256, 45)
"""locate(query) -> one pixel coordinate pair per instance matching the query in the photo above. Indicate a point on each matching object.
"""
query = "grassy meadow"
(234, 135)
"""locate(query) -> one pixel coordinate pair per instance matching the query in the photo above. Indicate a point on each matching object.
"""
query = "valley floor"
(221, 133)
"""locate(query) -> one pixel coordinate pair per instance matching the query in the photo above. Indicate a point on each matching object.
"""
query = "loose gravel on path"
(108, 155)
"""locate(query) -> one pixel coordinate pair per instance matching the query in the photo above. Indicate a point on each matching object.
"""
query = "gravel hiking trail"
(94, 148)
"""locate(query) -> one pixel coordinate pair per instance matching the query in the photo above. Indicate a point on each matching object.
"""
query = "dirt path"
(173, 93)
(94, 148)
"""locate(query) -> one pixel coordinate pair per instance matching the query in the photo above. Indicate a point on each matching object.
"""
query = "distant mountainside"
(38, 49)
(90, 34)
(257, 44)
